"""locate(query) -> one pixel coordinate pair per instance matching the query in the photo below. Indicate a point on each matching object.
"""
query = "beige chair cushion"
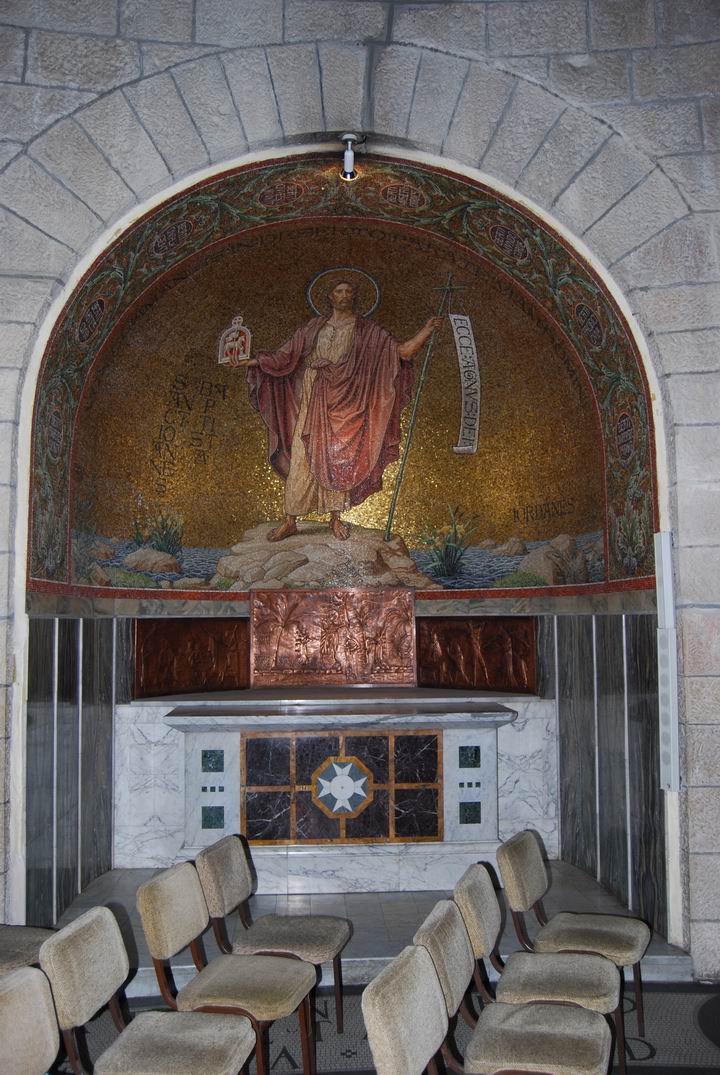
(475, 896)
(314, 938)
(225, 875)
(268, 987)
(20, 946)
(86, 963)
(444, 935)
(173, 910)
(170, 1043)
(28, 1028)
(405, 1014)
(523, 871)
(591, 981)
(539, 1037)
(621, 939)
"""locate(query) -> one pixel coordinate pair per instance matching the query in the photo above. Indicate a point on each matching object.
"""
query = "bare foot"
(340, 529)
(286, 529)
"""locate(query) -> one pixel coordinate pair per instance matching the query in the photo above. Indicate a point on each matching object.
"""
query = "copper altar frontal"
(489, 653)
(179, 656)
(357, 637)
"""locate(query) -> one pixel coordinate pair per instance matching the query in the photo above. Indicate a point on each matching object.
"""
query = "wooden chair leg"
(306, 1041)
(72, 1052)
(619, 1018)
(337, 978)
(639, 1008)
(262, 1053)
(432, 1068)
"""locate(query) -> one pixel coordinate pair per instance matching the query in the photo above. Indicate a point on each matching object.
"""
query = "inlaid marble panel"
(40, 910)
(647, 815)
(96, 754)
(612, 817)
(576, 735)
(67, 764)
(527, 764)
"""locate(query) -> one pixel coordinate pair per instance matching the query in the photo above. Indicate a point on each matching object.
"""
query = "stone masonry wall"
(604, 112)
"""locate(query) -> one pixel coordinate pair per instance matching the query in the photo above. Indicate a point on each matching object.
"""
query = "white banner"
(469, 382)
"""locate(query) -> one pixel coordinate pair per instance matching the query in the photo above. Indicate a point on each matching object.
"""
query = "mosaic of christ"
(310, 406)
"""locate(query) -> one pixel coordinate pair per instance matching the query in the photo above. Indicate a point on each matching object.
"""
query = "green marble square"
(470, 813)
(212, 761)
(213, 817)
(469, 757)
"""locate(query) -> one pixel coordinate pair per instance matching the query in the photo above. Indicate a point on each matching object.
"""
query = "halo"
(323, 282)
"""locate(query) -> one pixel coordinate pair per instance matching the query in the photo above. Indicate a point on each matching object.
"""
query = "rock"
(486, 543)
(98, 576)
(191, 584)
(513, 547)
(556, 565)
(165, 584)
(564, 543)
(151, 560)
(100, 551)
(314, 557)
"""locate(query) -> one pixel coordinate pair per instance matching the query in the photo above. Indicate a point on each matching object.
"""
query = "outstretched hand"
(243, 362)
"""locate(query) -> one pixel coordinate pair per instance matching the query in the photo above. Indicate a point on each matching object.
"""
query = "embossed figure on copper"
(176, 656)
(492, 653)
(328, 637)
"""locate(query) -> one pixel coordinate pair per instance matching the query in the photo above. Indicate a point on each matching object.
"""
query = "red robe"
(352, 429)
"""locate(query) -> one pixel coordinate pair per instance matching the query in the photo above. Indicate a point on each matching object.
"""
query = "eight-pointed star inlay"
(342, 787)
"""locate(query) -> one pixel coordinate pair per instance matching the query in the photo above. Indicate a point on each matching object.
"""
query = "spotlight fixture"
(348, 172)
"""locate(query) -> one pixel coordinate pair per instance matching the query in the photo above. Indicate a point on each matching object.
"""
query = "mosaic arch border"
(468, 213)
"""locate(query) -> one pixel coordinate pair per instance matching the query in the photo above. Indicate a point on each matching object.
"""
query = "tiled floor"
(384, 922)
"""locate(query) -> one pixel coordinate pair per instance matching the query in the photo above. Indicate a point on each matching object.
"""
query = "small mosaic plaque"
(212, 761)
(469, 757)
(471, 813)
(213, 817)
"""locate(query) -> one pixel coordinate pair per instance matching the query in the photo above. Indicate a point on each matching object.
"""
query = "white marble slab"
(528, 773)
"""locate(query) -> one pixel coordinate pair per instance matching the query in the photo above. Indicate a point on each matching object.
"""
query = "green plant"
(157, 528)
(129, 580)
(448, 544)
(525, 580)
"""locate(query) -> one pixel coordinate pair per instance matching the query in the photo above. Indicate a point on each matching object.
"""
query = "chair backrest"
(523, 871)
(225, 875)
(444, 935)
(475, 897)
(172, 909)
(405, 1014)
(86, 963)
(28, 1027)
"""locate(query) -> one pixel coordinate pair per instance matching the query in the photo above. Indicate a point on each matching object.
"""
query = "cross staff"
(447, 290)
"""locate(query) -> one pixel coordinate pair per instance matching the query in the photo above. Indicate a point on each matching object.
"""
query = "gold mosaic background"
(538, 430)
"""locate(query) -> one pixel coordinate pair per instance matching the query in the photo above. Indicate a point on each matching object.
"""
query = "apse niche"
(440, 394)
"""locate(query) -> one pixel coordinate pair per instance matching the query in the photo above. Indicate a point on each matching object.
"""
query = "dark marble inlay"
(313, 824)
(267, 815)
(212, 761)
(267, 761)
(647, 813)
(372, 750)
(213, 817)
(416, 812)
(124, 660)
(416, 759)
(611, 755)
(546, 686)
(39, 774)
(311, 752)
(96, 760)
(577, 742)
(373, 823)
(68, 748)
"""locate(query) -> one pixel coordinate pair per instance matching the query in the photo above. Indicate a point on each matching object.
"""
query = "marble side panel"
(96, 776)
(647, 814)
(67, 764)
(212, 787)
(124, 660)
(40, 909)
(613, 824)
(149, 793)
(470, 785)
(528, 773)
(576, 742)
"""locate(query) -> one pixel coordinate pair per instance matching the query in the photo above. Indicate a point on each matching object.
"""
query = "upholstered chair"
(617, 937)
(405, 1015)
(592, 981)
(226, 875)
(264, 988)
(28, 1027)
(561, 1039)
(20, 945)
(87, 964)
